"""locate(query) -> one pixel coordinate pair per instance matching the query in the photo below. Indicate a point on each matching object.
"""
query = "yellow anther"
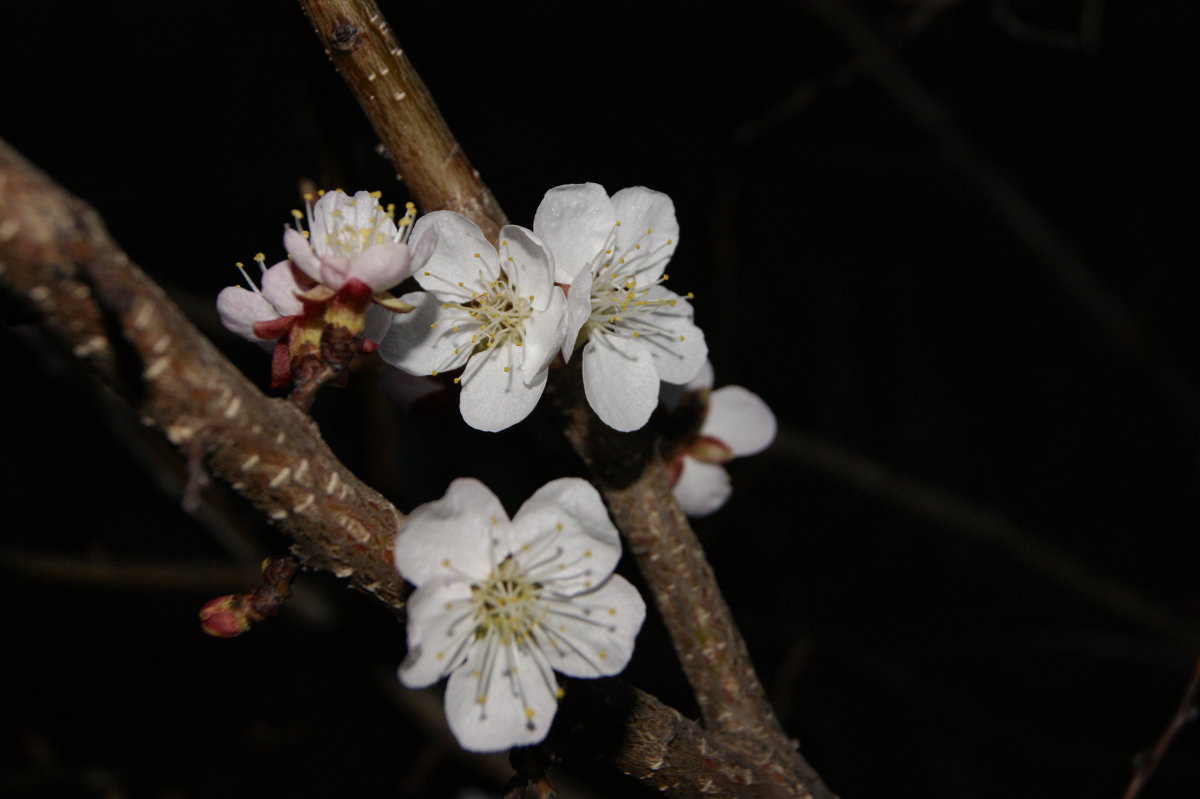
(445, 562)
(457, 380)
(506, 369)
(432, 325)
(637, 246)
(459, 282)
(427, 275)
(296, 214)
(618, 223)
(433, 373)
(601, 654)
(559, 693)
(666, 276)
(503, 242)
(476, 255)
(636, 334)
(681, 338)
(670, 242)
(530, 713)
(649, 231)
(308, 196)
(376, 194)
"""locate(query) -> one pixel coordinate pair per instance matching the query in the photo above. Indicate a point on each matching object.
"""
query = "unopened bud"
(225, 616)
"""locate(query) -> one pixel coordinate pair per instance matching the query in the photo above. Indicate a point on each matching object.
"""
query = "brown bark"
(57, 258)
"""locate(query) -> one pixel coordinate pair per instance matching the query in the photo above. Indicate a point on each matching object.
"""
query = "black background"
(848, 268)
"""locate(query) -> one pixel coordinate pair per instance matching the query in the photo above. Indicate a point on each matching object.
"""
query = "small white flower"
(501, 605)
(262, 315)
(736, 423)
(351, 238)
(612, 253)
(500, 315)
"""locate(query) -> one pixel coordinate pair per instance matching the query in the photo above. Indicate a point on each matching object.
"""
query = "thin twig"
(1013, 207)
(56, 258)
(1184, 715)
(940, 506)
(146, 575)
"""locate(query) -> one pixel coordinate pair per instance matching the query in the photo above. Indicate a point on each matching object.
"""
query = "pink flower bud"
(224, 617)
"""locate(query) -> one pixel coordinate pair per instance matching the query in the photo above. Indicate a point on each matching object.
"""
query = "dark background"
(877, 231)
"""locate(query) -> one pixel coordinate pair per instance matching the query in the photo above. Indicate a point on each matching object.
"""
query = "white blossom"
(350, 238)
(261, 314)
(736, 423)
(613, 252)
(501, 605)
(498, 314)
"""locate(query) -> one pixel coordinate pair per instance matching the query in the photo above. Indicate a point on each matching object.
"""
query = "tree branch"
(57, 258)
(426, 155)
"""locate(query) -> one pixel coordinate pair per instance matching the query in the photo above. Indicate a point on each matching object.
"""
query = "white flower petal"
(301, 253)
(579, 309)
(240, 308)
(452, 266)
(543, 337)
(440, 631)
(368, 214)
(740, 420)
(593, 634)
(495, 396)
(280, 288)
(680, 350)
(424, 340)
(449, 537)
(377, 323)
(620, 381)
(648, 233)
(518, 706)
(574, 221)
(563, 537)
(528, 264)
(382, 266)
(702, 487)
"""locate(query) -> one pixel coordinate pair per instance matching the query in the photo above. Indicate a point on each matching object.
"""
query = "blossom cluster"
(589, 275)
(334, 280)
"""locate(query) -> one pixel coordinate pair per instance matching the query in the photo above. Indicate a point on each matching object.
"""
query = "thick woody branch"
(360, 43)
(56, 255)
(710, 646)
(57, 258)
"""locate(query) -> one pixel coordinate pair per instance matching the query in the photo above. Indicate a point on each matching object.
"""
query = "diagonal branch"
(57, 258)
(360, 43)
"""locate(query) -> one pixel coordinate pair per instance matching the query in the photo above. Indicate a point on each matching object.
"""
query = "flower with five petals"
(501, 605)
(499, 315)
(634, 332)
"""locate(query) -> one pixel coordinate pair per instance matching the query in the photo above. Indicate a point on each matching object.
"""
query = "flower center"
(507, 605)
(344, 237)
(622, 301)
(501, 314)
